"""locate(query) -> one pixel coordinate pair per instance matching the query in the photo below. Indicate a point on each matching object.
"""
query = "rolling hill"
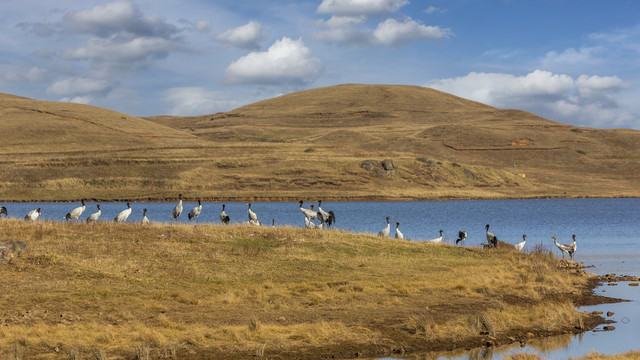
(339, 142)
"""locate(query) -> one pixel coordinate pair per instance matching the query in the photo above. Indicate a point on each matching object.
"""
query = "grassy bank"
(161, 291)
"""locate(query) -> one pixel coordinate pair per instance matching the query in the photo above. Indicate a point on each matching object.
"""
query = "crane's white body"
(438, 239)
(310, 225)
(224, 218)
(462, 235)
(569, 249)
(33, 215)
(93, 218)
(519, 246)
(145, 219)
(177, 210)
(325, 217)
(195, 212)
(308, 213)
(123, 215)
(385, 232)
(491, 238)
(399, 234)
(253, 217)
(75, 213)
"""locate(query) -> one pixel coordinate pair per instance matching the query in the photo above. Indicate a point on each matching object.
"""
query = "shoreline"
(328, 198)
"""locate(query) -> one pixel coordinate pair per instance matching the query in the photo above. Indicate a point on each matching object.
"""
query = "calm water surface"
(608, 239)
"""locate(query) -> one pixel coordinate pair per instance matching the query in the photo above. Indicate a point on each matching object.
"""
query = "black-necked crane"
(75, 213)
(385, 232)
(308, 213)
(195, 212)
(326, 217)
(224, 218)
(123, 215)
(462, 235)
(253, 217)
(93, 218)
(438, 239)
(33, 215)
(310, 225)
(177, 210)
(3, 210)
(398, 232)
(519, 246)
(145, 219)
(569, 249)
(574, 246)
(491, 238)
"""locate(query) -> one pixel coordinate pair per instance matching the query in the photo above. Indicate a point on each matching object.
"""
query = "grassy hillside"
(191, 292)
(328, 142)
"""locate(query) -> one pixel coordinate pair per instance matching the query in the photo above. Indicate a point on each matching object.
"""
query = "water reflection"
(623, 339)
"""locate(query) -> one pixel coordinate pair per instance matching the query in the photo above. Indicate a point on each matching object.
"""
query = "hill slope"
(327, 142)
(420, 127)
(42, 126)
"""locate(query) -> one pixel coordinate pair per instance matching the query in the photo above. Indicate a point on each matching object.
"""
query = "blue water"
(607, 229)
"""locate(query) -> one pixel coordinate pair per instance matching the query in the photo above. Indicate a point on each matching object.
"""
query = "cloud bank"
(350, 19)
(360, 7)
(585, 100)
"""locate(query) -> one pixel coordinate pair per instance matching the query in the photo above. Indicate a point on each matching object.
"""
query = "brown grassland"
(109, 291)
(309, 144)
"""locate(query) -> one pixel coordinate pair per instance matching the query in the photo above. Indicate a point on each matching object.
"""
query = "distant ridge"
(33, 125)
(347, 141)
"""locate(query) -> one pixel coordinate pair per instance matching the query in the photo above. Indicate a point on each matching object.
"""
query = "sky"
(575, 62)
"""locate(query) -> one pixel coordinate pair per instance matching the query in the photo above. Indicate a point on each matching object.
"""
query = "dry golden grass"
(120, 291)
(310, 143)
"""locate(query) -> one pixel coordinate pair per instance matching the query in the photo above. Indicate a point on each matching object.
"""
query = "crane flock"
(313, 219)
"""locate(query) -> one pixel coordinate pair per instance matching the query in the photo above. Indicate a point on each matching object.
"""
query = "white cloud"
(18, 74)
(395, 32)
(117, 17)
(571, 57)
(78, 99)
(247, 36)
(343, 29)
(360, 7)
(587, 100)
(76, 86)
(433, 9)
(122, 53)
(190, 101)
(391, 32)
(202, 25)
(286, 62)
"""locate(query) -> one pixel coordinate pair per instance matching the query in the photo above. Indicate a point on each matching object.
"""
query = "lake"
(607, 229)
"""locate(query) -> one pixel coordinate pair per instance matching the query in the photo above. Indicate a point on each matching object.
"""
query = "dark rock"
(389, 165)
(609, 328)
(385, 168)
(369, 164)
(470, 174)
(609, 313)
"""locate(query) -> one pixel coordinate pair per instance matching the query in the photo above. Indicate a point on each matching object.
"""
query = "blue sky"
(574, 62)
